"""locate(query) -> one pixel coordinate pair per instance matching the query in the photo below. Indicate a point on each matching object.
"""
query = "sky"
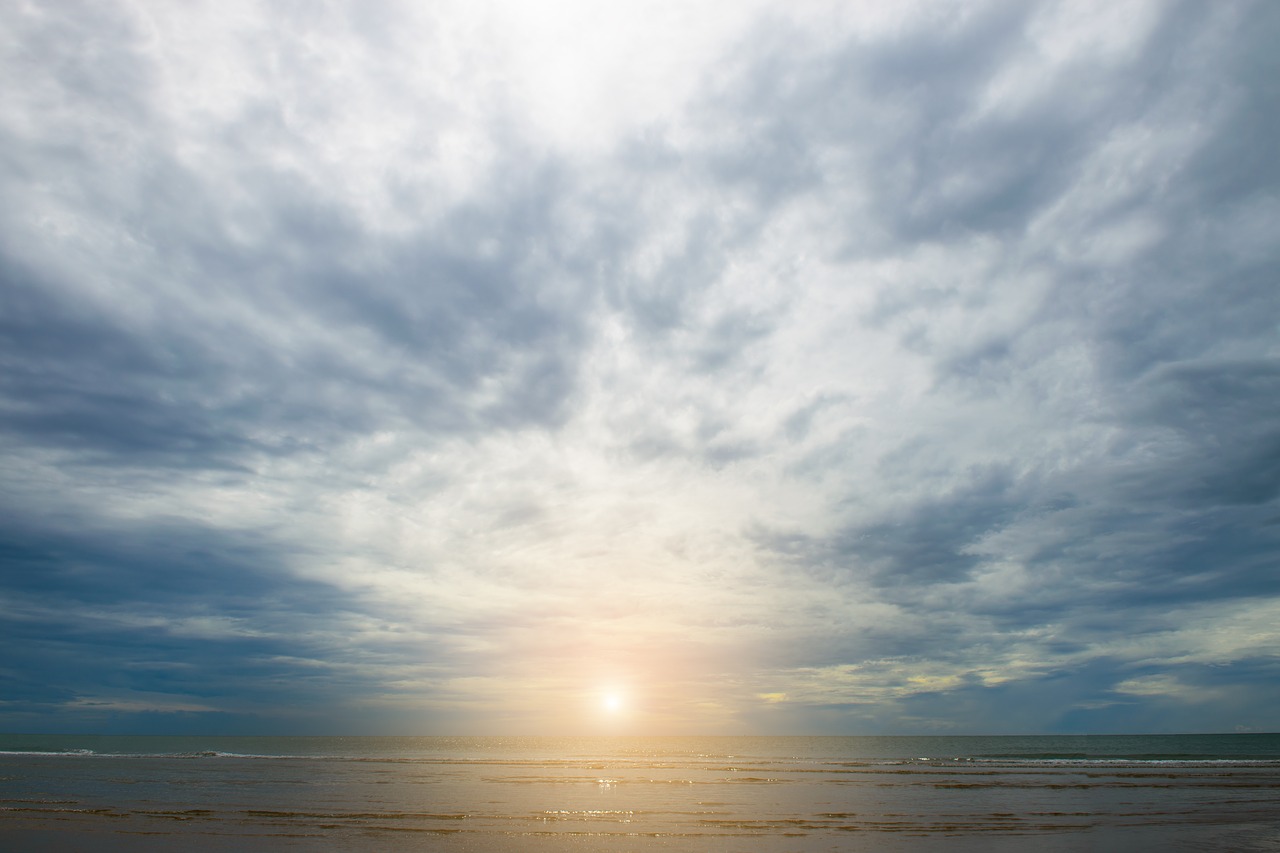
(499, 367)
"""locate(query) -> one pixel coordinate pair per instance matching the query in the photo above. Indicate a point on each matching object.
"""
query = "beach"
(634, 794)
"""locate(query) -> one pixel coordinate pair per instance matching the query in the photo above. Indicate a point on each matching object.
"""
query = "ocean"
(1046, 793)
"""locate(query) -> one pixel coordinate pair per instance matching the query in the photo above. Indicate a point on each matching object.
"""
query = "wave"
(90, 753)
(1137, 756)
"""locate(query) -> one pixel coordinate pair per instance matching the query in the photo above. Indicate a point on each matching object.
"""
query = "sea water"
(1048, 793)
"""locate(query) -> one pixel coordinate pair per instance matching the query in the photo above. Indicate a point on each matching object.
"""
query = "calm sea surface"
(1051, 793)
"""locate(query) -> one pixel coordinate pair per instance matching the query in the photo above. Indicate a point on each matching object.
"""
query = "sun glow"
(612, 702)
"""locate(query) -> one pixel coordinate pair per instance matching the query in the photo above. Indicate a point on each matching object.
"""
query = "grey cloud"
(904, 114)
(76, 380)
(410, 335)
(178, 609)
(1080, 699)
(1225, 415)
(1237, 162)
(334, 330)
(900, 114)
(925, 544)
(729, 338)
(1173, 304)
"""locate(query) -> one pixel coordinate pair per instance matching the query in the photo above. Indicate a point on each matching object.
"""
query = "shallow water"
(715, 794)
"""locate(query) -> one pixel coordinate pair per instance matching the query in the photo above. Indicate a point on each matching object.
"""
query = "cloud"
(814, 369)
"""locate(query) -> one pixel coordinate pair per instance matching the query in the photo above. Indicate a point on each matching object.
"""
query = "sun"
(612, 702)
